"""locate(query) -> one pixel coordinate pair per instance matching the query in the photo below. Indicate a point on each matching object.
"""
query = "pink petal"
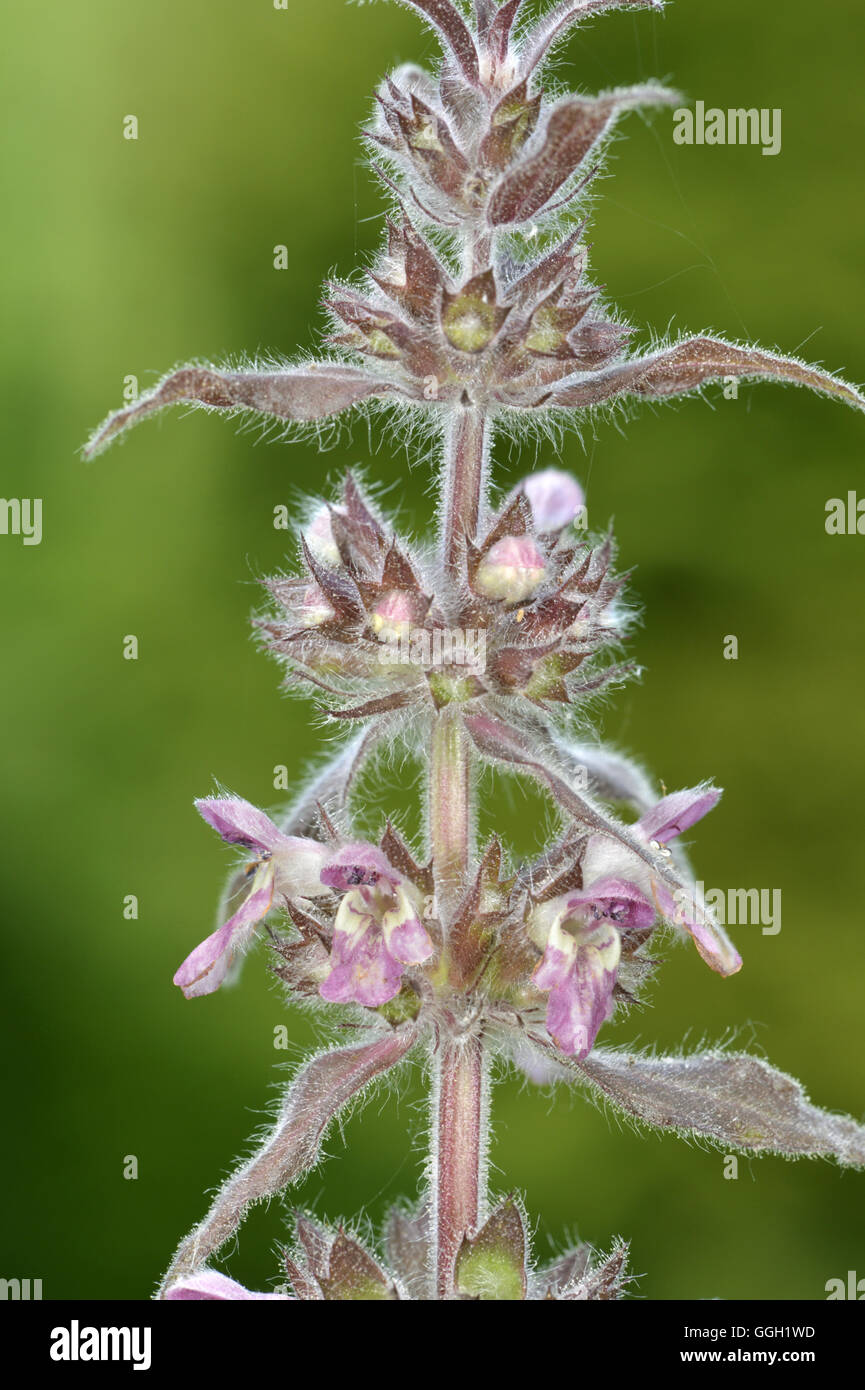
(362, 970)
(357, 865)
(555, 969)
(709, 937)
(579, 1005)
(239, 822)
(206, 968)
(618, 899)
(678, 812)
(410, 942)
(512, 570)
(208, 1284)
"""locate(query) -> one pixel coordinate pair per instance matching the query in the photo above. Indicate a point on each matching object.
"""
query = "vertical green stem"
(460, 1148)
(459, 1119)
(450, 808)
(464, 476)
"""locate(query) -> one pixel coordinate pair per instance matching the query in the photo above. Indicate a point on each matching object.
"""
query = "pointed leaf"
(564, 16)
(353, 1275)
(306, 1289)
(567, 1269)
(381, 704)
(485, 11)
(492, 1264)
(407, 1241)
(737, 1101)
(398, 572)
(512, 121)
(397, 853)
(357, 511)
(447, 19)
(678, 370)
(564, 264)
(316, 1241)
(515, 519)
(501, 28)
(573, 129)
(338, 588)
(314, 392)
(603, 1283)
(316, 1096)
(472, 316)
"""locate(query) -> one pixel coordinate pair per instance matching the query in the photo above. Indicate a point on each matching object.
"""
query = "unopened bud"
(319, 537)
(392, 616)
(555, 497)
(512, 570)
(315, 608)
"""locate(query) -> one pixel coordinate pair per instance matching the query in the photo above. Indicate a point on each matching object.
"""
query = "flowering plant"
(480, 318)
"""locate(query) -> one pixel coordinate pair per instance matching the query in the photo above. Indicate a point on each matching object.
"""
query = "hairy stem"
(450, 809)
(460, 1124)
(463, 480)
(459, 1120)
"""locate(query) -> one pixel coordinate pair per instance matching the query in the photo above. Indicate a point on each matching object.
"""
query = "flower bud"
(512, 570)
(392, 616)
(319, 537)
(555, 497)
(315, 608)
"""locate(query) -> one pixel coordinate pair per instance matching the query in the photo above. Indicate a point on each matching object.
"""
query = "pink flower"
(673, 815)
(581, 959)
(581, 932)
(285, 864)
(377, 932)
(555, 497)
(208, 1284)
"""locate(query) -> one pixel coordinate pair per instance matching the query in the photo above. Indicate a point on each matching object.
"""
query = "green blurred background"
(126, 257)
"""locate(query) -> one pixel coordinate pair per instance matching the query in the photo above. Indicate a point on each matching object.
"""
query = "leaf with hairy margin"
(381, 704)
(501, 742)
(499, 34)
(612, 776)
(555, 25)
(690, 364)
(353, 1275)
(574, 128)
(491, 1263)
(565, 1270)
(446, 18)
(409, 1249)
(319, 1091)
(604, 1282)
(485, 13)
(737, 1101)
(303, 394)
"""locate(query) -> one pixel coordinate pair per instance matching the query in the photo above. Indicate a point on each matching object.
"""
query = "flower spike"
(483, 645)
